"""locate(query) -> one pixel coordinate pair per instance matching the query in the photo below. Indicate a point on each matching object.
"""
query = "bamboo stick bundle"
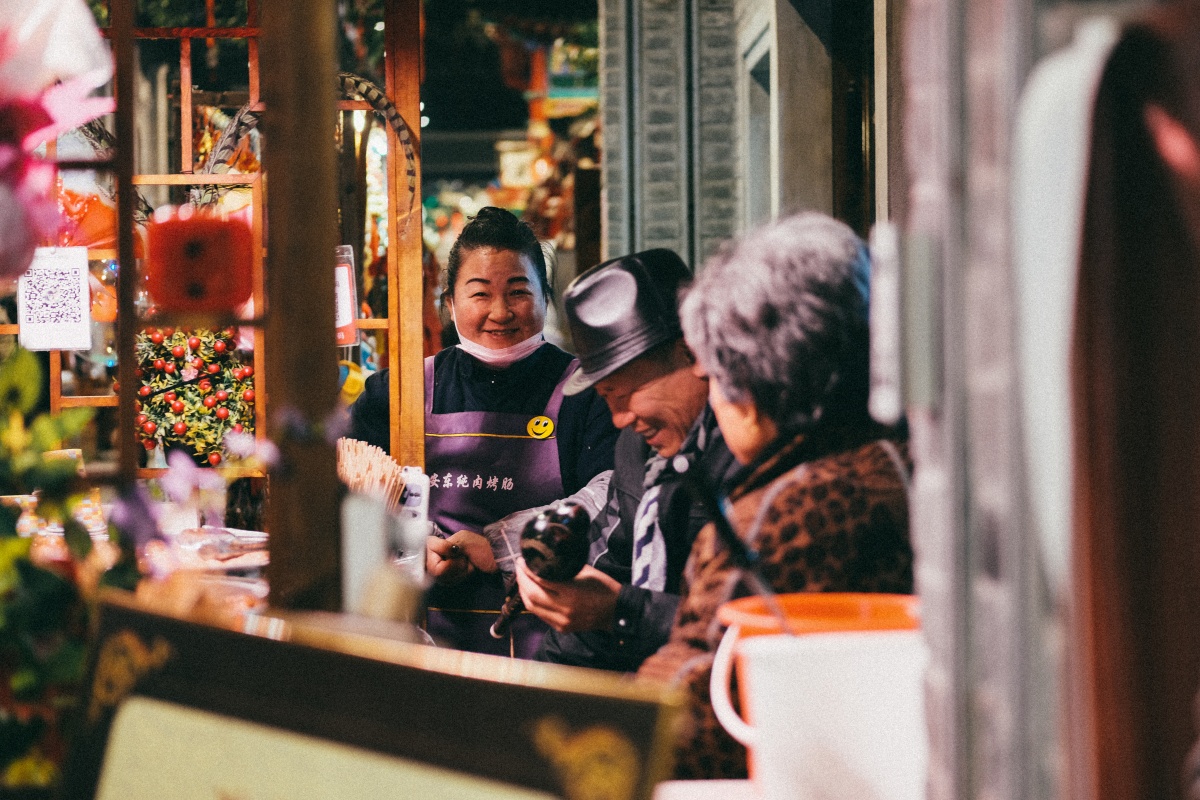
(367, 469)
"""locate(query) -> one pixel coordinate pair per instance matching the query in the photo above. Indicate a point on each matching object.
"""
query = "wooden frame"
(403, 70)
(123, 35)
(296, 311)
(406, 362)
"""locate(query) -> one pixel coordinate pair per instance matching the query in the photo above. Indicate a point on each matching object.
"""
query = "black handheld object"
(555, 546)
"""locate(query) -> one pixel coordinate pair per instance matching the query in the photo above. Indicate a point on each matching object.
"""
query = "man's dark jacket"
(642, 620)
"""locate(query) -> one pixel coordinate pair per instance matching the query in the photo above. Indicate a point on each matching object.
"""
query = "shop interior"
(209, 587)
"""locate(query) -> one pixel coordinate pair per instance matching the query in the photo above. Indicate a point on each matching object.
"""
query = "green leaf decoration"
(20, 381)
(24, 681)
(11, 549)
(44, 602)
(8, 524)
(57, 478)
(17, 736)
(49, 432)
(79, 541)
(44, 433)
(67, 663)
(193, 390)
(123, 575)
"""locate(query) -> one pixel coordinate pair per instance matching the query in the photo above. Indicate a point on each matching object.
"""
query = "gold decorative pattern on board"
(122, 662)
(596, 763)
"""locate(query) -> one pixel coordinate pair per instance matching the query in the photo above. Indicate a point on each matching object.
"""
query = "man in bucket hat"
(625, 326)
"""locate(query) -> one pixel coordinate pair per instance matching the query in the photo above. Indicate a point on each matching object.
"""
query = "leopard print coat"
(837, 523)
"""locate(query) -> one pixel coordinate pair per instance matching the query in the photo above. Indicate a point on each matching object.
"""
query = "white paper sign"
(53, 305)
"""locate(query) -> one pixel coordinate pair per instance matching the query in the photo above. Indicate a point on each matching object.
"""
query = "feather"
(246, 121)
(103, 143)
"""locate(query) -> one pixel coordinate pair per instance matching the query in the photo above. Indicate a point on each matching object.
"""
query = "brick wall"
(716, 198)
(667, 82)
(617, 166)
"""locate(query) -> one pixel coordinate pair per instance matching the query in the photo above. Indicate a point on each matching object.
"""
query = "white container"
(835, 716)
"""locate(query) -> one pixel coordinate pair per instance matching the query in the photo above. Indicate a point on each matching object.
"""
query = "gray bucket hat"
(620, 310)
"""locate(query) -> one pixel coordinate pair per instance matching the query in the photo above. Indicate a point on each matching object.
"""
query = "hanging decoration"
(89, 220)
(104, 145)
(229, 149)
(200, 263)
(194, 389)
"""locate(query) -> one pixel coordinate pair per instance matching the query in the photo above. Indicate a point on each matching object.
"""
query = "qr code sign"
(53, 296)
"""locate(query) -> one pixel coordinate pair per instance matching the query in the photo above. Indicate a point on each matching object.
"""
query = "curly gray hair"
(780, 318)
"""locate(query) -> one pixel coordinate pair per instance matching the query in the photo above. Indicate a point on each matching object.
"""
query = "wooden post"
(298, 89)
(405, 290)
(121, 25)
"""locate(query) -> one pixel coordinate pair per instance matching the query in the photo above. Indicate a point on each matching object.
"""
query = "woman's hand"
(451, 560)
(586, 603)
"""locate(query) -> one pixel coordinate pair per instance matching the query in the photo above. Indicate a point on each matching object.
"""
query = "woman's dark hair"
(500, 229)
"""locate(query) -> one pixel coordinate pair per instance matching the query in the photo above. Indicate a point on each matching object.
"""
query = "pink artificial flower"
(187, 484)
(69, 105)
(17, 239)
(51, 58)
(43, 42)
(20, 119)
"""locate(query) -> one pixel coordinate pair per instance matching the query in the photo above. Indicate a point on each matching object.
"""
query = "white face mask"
(503, 358)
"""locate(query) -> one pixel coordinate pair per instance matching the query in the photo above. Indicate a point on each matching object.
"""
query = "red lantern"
(200, 264)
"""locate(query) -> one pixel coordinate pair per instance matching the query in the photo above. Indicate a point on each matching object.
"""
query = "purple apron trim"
(482, 467)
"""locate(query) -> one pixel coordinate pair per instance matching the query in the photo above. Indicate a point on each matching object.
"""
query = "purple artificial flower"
(292, 424)
(188, 484)
(337, 425)
(246, 446)
(135, 515)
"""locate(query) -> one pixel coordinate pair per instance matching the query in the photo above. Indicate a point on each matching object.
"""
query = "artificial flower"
(136, 516)
(51, 58)
(194, 486)
(251, 451)
(43, 42)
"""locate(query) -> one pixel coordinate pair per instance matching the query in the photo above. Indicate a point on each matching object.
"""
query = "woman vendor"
(779, 325)
(500, 436)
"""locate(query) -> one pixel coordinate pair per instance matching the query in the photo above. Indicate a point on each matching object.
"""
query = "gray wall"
(805, 114)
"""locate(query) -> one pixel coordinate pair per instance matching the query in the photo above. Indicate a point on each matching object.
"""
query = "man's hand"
(586, 603)
(451, 560)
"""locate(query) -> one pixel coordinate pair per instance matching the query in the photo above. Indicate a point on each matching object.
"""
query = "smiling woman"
(497, 302)
(500, 436)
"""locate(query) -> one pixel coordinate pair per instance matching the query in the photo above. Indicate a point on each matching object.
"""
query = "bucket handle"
(718, 689)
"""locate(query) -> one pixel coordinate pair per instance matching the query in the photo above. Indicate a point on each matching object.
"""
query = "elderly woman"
(779, 324)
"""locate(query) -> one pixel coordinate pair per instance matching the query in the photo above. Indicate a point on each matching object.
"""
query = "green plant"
(44, 591)
(194, 390)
